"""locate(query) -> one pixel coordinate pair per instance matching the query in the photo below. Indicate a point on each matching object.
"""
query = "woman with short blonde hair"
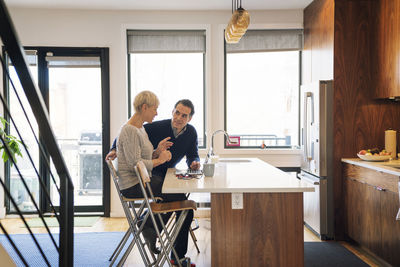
(145, 97)
(133, 145)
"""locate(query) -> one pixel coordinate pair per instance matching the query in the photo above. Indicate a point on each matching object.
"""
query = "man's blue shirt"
(184, 145)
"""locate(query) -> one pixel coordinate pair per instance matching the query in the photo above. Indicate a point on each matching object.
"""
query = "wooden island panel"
(268, 231)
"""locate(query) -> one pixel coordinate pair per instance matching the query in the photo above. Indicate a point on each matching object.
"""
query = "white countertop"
(382, 166)
(238, 175)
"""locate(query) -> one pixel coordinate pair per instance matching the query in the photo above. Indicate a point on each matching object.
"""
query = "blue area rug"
(91, 249)
(94, 249)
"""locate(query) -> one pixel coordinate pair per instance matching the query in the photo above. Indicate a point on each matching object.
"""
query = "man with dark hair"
(186, 103)
(181, 138)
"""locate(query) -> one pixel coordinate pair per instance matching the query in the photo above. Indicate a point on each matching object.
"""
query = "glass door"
(75, 86)
(75, 112)
(28, 168)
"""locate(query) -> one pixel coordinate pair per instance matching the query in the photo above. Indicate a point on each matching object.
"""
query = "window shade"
(268, 40)
(187, 41)
(72, 62)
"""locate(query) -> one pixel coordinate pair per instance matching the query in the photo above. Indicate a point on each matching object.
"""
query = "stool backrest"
(114, 175)
(144, 175)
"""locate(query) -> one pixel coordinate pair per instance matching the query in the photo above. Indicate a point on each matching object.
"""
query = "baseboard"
(364, 253)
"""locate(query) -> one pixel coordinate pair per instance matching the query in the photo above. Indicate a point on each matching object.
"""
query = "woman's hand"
(162, 146)
(165, 156)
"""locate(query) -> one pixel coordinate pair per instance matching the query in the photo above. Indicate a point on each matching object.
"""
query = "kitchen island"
(256, 212)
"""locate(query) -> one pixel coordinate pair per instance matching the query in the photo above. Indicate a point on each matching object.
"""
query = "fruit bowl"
(373, 157)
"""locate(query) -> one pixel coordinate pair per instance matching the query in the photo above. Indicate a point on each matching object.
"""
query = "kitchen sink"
(237, 160)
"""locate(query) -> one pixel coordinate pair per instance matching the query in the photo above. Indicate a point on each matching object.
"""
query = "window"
(74, 84)
(170, 64)
(262, 88)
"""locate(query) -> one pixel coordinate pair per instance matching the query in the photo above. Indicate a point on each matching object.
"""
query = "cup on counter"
(208, 169)
(214, 159)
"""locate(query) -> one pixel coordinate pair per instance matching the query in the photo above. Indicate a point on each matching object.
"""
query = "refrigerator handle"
(311, 95)
(312, 150)
(305, 122)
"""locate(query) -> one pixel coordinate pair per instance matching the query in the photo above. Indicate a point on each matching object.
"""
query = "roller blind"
(72, 62)
(159, 41)
(268, 40)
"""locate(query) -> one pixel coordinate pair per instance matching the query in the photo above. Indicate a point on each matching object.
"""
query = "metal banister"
(16, 53)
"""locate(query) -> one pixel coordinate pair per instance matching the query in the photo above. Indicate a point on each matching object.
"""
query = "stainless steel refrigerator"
(317, 156)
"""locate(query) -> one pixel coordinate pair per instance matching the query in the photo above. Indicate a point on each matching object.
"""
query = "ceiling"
(160, 4)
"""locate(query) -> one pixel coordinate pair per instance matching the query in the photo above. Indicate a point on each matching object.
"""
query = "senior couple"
(160, 145)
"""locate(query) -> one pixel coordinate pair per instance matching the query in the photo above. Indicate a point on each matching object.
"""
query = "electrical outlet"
(237, 201)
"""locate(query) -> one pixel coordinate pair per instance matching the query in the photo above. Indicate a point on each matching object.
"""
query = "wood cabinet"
(371, 205)
(390, 227)
(388, 49)
(362, 209)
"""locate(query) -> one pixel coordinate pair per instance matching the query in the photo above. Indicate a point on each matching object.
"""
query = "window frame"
(43, 83)
(225, 105)
(205, 55)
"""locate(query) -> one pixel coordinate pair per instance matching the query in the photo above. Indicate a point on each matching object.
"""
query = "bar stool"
(156, 209)
(128, 205)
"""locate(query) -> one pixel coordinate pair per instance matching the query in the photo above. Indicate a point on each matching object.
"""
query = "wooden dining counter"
(268, 229)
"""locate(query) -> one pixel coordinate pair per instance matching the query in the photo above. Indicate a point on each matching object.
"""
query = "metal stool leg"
(120, 245)
(194, 239)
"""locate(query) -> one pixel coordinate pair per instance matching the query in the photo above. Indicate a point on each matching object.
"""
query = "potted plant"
(11, 142)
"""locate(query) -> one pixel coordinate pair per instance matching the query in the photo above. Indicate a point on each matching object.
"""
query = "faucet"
(210, 152)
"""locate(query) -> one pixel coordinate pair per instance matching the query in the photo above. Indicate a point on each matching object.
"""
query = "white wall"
(84, 28)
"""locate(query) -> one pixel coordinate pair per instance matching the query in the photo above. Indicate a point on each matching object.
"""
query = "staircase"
(54, 165)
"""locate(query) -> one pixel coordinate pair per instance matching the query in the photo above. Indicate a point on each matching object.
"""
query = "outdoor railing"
(269, 140)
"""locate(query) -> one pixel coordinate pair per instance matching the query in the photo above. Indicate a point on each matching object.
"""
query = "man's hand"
(162, 146)
(195, 165)
(111, 155)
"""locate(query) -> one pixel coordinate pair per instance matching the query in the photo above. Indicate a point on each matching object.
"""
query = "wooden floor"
(202, 259)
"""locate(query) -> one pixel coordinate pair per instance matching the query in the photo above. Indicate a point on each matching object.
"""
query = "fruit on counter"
(362, 152)
(384, 153)
(374, 152)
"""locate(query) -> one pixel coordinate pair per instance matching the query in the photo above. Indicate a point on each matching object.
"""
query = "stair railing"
(47, 146)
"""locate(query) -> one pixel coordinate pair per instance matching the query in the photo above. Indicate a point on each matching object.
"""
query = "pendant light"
(238, 23)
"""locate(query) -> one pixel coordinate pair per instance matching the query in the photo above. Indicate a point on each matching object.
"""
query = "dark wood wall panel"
(359, 119)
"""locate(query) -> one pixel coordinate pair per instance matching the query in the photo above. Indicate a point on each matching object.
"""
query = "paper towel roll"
(390, 142)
